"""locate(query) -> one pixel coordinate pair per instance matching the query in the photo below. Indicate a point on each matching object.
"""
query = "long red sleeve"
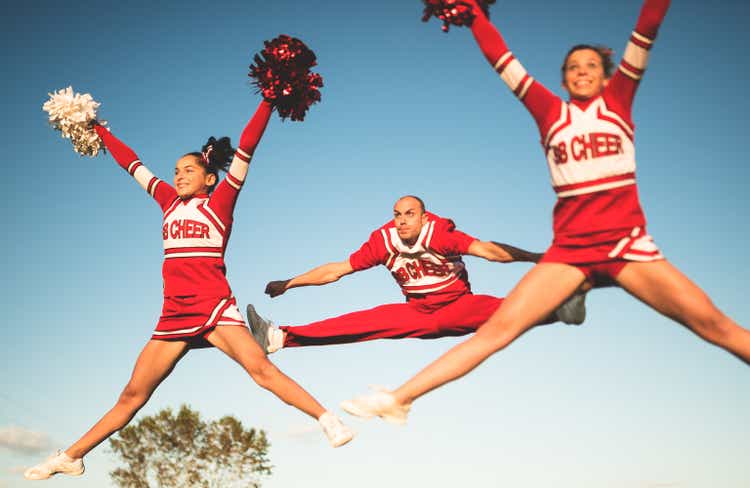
(624, 83)
(488, 38)
(162, 192)
(651, 16)
(538, 100)
(119, 150)
(254, 129)
(225, 196)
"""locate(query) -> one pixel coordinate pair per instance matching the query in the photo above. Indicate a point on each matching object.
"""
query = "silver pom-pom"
(72, 114)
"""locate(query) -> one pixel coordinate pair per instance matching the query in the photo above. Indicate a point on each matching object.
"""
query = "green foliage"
(167, 450)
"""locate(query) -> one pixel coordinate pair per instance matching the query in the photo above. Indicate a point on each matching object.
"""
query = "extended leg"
(529, 303)
(239, 345)
(664, 288)
(156, 361)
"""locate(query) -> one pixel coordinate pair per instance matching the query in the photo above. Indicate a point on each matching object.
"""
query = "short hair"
(421, 202)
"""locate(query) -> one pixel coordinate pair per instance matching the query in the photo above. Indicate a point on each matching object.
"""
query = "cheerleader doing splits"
(199, 309)
(599, 227)
(423, 253)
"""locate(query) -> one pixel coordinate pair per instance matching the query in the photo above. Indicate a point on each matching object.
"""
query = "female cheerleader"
(599, 227)
(199, 309)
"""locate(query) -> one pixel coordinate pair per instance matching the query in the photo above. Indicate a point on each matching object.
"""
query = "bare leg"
(239, 345)
(664, 288)
(156, 361)
(533, 299)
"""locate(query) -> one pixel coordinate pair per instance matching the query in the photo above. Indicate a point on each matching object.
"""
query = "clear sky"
(627, 400)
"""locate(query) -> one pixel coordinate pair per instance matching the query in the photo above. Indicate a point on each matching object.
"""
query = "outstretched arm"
(162, 192)
(502, 253)
(322, 275)
(535, 97)
(633, 65)
(225, 195)
(635, 59)
(249, 140)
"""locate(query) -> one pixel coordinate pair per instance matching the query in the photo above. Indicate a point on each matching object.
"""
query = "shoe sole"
(352, 409)
(341, 442)
(69, 473)
(578, 319)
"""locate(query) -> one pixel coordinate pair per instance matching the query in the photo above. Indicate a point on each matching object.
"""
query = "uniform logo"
(419, 268)
(185, 229)
(587, 146)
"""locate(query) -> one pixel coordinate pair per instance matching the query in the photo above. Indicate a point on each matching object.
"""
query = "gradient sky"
(627, 400)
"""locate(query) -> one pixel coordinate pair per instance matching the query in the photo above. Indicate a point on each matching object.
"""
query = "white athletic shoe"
(380, 403)
(337, 433)
(573, 310)
(58, 462)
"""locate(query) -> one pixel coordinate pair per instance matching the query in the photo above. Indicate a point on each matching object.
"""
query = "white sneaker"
(573, 310)
(379, 403)
(276, 338)
(56, 463)
(337, 433)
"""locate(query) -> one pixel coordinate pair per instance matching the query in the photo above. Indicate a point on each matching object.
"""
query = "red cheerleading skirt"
(194, 317)
(602, 260)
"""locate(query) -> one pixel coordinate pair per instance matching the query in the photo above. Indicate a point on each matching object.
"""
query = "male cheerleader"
(423, 253)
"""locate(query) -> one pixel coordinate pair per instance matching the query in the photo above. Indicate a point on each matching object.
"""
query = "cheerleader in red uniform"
(199, 309)
(599, 226)
(423, 253)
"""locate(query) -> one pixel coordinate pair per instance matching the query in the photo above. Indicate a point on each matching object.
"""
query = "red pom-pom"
(282, 74)
(453, 12)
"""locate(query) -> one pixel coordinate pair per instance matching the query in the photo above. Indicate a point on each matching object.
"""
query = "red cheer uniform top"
(430, 270)
(588, 144)
(195, 230)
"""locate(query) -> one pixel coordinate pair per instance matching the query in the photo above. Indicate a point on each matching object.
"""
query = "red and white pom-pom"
(453, 12)
(72, 114)
(282, 74)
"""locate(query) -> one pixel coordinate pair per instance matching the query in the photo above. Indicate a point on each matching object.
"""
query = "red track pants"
(395, 321)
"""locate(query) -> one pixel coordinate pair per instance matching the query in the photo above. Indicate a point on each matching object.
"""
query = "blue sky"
(627, 400)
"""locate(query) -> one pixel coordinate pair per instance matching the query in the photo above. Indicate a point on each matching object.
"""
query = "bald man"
(423, 253)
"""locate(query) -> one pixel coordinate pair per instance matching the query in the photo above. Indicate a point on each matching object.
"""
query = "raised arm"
(625, 81)
(225, 194)
(502, 253)
(162, 192)
(537, 99)
(322, 275)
